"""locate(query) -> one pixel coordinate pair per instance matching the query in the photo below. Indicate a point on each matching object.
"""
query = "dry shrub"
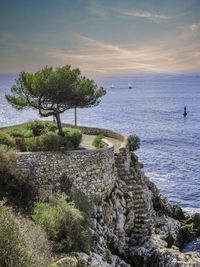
(16, 188)
(7, 161)
(13, 251)
(36, 240)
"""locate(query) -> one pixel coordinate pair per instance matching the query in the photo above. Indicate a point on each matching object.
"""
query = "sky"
(100, 36)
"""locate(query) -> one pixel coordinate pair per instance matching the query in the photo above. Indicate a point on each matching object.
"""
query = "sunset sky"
(100, 36)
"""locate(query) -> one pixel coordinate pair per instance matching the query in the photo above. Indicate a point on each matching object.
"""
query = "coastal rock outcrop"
(140, 225)
(136, 226)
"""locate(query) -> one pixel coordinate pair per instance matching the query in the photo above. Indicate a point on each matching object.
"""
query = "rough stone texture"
(92, 171)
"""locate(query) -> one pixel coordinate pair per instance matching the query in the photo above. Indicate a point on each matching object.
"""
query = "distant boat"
(112, 86)
(129, 85)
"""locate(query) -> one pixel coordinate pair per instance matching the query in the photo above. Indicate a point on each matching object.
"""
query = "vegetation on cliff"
(66, 219)
(98, 141)
(134, 142)
(64, 222)
(13, 248)
(40, 136)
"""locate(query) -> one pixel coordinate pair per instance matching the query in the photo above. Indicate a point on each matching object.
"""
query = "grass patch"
(39, 136)
(98, 141)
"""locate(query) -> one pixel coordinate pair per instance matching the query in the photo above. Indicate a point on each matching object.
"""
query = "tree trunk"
(75, 116)
(60, 131)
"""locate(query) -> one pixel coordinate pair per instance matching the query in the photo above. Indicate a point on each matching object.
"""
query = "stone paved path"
(87, 140)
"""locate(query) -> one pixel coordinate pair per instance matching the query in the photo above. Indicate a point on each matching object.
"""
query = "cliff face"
(133, 224)
(139, 225)
(136, 226)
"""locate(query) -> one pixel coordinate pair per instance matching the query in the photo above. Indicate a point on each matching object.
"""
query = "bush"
(51, 127)
(48, 142)
(33, 144)
(74, 135)
(54, 142)
(19, 131)
(13, 251)
(40, 136)
(51, 142)
(134, 142)
(6, 139)
(98, 141)
(16, 188)
(37, 127)
(7, 161)
(16, 132)
(63, 221)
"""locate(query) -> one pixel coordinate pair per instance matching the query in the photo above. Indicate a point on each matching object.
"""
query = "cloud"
(194, 28)
(156, 18)
(159, 56)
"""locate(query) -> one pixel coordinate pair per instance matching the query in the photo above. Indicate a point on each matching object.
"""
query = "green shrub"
(51, 127)
(98, 141)
(75, 137)
(41, 127)
(28, 133)
(16, 133)
(134, 142)
(54, 142)
(6, 139)
(40, 136)
(13, 252)
(37, 127)
(33, 144)
(19, 131)
(63, 221)
(51, 142)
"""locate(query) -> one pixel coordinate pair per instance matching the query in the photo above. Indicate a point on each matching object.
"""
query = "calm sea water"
(152, 109)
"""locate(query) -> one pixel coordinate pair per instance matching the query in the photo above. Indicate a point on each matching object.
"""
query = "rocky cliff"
(136, 226)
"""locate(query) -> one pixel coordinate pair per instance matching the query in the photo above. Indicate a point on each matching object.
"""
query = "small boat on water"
(112, 86)
(129, 85)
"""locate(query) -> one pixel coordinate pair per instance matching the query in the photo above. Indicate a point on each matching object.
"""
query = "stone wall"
(91, 171)
(94, 172)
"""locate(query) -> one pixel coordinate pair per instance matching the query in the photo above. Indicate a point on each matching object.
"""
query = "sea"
(153, 110)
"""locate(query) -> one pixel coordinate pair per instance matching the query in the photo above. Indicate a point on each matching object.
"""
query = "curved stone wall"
(92, 171)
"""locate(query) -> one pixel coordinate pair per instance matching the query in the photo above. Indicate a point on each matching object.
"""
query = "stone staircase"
(131, 179)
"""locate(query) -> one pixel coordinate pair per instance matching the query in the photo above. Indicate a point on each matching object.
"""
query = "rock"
(196, 222)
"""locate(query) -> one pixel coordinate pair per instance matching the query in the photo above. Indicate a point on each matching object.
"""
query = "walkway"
(87, 140)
